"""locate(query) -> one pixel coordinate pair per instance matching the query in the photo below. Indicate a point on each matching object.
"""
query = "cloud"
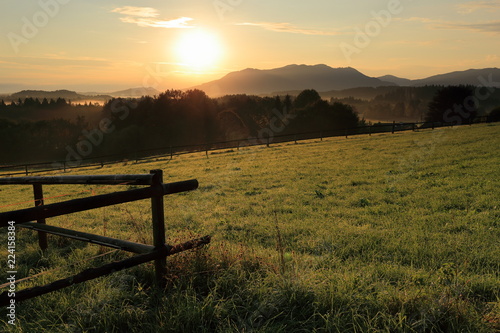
(470, 7)
(418, 19)
(136, 11)
(415, 43)
(287, 27)
(484, 27)
(148, 17)
(180, 23)
(488, 27)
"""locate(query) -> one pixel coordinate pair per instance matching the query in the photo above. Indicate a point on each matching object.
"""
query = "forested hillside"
(172, 118)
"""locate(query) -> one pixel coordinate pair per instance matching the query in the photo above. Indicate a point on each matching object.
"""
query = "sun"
(198, 49)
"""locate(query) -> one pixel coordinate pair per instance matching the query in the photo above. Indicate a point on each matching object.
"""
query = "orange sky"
(105, 46)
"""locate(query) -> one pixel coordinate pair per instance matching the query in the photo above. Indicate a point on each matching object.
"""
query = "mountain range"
(326, 78)
(290, 79)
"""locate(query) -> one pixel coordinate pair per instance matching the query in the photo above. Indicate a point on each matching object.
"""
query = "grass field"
(388, 233)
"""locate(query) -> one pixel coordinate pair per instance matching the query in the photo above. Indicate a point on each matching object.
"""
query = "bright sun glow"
(198, 50)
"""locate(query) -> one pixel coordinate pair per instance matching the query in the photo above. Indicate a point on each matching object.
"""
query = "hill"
(75, 96)
(292, 77)
(40, 94)
(470, 76)
(135, 92)
(388, 233)
(396, 80)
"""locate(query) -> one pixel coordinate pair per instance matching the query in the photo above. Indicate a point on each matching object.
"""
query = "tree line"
(34, 130)
(406, 103)
(173, 118)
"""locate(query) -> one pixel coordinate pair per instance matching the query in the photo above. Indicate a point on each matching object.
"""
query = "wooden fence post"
(38, 194)
(393, 126)
(26, 168)
(370, 130)
(158, 215)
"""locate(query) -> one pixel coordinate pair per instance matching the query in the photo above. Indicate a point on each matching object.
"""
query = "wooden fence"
(170, 151)
(155, 191)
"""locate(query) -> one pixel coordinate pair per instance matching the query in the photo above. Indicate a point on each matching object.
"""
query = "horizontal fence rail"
(98, 201)
(145, 179)
(90, 238)
(93, 273)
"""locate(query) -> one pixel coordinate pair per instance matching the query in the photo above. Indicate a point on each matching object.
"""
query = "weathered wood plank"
(42, 236)
(98, 201)
(90, 238)
(142, 179)
(158, 219)
(93, 273)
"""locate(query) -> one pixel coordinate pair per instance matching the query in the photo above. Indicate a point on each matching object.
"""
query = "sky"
(105, 46)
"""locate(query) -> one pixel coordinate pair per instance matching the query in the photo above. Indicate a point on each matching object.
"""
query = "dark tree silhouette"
(306, 97)
(322, 116)
(453, 104)
(494, 115)
(287, 103)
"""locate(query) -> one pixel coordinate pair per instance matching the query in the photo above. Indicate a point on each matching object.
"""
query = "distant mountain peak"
(291, 77)
(476, 77)
(136, 92)
(396, 80)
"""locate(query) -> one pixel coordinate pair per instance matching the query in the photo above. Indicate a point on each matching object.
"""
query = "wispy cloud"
(484, 27)
(287, 27)
(415, 43)
(418, 19)
(469, 7)
(137, 11)
(180, 23)
(489, 27)
(148, 17)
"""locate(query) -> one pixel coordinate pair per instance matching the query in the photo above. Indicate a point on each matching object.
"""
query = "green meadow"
(383, 233)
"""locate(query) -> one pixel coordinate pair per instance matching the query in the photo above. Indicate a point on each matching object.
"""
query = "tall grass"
(389, 233)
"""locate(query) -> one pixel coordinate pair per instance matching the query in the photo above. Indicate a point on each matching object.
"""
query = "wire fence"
(171, 151)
